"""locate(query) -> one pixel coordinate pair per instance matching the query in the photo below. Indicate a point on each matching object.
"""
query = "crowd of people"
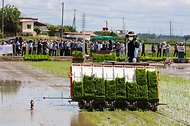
(46, 47)
(163, 49)
(66, 47)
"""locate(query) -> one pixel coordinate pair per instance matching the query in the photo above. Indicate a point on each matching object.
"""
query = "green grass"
(59, 68)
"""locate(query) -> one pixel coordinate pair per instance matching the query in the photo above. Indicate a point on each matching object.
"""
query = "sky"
(141, 16)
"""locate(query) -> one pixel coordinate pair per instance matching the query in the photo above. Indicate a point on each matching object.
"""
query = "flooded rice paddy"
(19, 84)
(15, 105)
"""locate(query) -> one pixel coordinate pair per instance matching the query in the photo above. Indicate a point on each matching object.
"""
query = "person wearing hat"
(131, 38)
(168, 49)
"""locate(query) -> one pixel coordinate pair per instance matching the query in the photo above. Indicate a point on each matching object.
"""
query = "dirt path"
(24, 73)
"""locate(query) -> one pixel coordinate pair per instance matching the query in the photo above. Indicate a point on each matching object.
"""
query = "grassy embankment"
(174, 91)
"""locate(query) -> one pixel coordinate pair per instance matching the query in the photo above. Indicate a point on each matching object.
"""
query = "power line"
(45, 10)
(40, 9)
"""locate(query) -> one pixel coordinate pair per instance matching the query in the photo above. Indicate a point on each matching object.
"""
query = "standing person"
(140, 48)
(34, 47)
(54, 48)
(17, 48)
(122, 52)
(143, 48)
(164, 49)
(136, 50)
(30, 47)
(86, 52)
(96, 46)
(61, 47)
(91, 48)
(14, 46)
(50, 47)
(118, 48)
(24, 45)
(45, 47)
(168, 49)
(153, 50)
(72, 46)
(39, 51)
(159, 47)
(110, 45)
(175, 50)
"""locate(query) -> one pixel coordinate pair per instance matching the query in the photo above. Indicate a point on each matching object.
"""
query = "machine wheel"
(152, 106)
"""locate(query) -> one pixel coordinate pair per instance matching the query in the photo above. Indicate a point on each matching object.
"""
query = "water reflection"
(9, 87)
(81, 120)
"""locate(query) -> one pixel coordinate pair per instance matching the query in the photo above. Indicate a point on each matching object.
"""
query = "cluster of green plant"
(77, 57)
(119, 88)
(37, 58)
(104, 57)
(77, 54)
(152, 58)
(121, 58)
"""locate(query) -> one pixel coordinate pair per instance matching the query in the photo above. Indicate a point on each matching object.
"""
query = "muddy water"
(15, 106)
(19, 84)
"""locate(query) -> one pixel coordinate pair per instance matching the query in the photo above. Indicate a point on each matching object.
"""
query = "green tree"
(11, 19)
(37, 30)
(52, 29)
(68, 28)
(108, 33)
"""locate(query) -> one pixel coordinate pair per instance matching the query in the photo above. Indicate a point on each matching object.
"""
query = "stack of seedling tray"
(152, 85)
(142, 88)
(99, 87)
(120, 88)
(88, 86)
(131, 90)
(145, 88)
(110, 89)
(77, 89)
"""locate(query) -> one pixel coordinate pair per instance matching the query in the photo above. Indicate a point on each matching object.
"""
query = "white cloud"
(141, 16)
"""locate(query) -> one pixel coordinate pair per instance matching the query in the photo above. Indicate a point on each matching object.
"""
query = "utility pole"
(123, 26)
(62, 21)
(2, 19)
(83, 26)
(170, 31)
(74, 19)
